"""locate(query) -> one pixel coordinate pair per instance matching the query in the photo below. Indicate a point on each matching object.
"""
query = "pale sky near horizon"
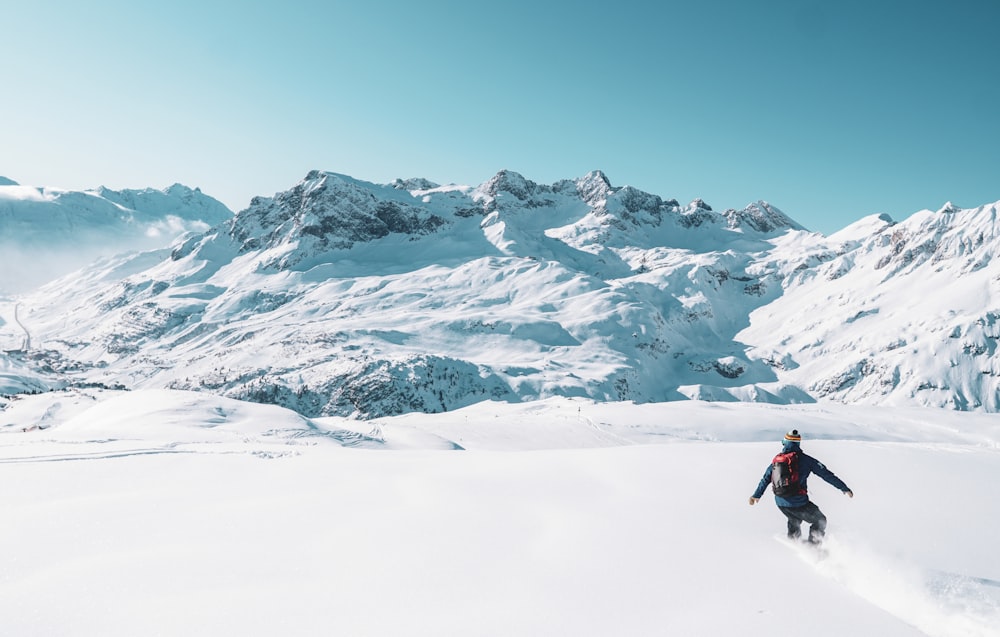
(830, 111)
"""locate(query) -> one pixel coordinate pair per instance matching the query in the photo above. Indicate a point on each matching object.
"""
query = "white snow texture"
(511, 409)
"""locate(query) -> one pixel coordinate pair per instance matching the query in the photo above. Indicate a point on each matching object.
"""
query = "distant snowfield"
(175, 513)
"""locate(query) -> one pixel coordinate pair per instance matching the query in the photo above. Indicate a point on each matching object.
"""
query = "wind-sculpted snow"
(340, 296)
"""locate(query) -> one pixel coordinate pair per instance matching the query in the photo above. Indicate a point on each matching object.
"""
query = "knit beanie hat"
(793, 436)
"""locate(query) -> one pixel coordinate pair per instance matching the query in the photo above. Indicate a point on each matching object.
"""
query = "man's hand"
(849, 493)
(753, 500)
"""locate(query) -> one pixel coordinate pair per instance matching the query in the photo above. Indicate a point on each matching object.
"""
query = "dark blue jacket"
(807, 465)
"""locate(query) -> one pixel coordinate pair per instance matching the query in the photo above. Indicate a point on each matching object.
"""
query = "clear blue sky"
(829, 110)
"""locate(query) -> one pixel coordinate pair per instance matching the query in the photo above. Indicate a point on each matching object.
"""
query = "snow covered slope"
(194, 514)
(340, 296)
(46, 232)
(893, 313)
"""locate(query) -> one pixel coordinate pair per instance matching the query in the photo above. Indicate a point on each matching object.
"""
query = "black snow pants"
(809, 513)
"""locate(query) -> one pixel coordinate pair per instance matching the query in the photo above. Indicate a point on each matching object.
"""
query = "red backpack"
(785, 474)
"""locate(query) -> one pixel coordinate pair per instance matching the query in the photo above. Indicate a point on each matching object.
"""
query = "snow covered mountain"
(45, 232)
(892, 313)
(344, 297)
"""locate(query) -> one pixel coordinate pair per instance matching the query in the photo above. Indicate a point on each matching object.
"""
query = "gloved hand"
(849, 493)
(753, 500)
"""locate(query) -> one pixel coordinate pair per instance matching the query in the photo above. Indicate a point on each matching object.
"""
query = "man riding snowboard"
(787, 475)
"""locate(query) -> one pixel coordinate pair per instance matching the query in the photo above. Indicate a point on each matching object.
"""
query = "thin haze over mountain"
(46, 232)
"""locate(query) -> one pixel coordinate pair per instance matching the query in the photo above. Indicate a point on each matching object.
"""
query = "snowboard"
(810, 550)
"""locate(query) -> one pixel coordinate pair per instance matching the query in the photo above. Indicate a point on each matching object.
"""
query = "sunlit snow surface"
(177, 513)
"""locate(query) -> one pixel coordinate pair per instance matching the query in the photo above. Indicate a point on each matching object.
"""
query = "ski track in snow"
(938, 603)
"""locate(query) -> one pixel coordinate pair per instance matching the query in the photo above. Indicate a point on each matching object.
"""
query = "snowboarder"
(787, 474)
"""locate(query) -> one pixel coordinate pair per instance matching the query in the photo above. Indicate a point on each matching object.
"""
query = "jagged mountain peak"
(509, 182)
(329, 211)
(634, 200)
(414, 184)
(597, 176)
(594, 187)
(762, 217)
(699, 204)
(180, 190)
(317, 179)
